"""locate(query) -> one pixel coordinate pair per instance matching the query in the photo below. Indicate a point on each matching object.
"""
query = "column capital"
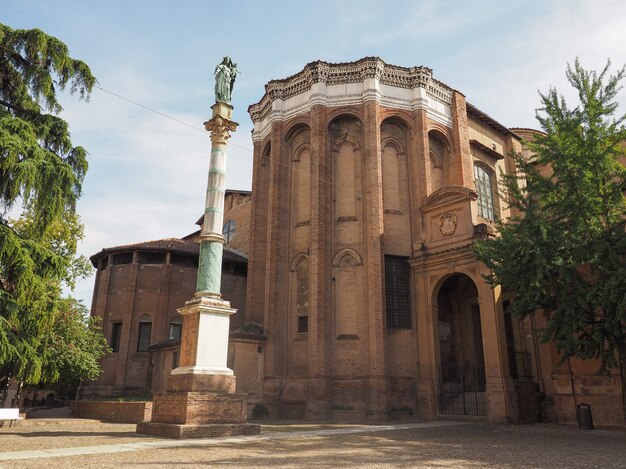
(220, 128)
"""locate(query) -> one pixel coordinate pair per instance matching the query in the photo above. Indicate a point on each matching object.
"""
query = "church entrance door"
(461, 357)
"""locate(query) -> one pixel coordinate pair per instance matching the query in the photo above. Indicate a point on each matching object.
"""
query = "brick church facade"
(363, 300)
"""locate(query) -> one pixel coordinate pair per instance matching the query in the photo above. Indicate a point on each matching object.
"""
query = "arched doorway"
(461, 357)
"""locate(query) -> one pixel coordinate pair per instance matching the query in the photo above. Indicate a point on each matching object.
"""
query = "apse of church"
(364, 203)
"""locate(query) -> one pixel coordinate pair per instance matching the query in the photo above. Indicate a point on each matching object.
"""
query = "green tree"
(564, 253)
(72, 349)
(42, 172)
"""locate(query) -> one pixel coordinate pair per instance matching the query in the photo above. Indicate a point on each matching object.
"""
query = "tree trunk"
(18, 393)
(4, 388)
(622, 370)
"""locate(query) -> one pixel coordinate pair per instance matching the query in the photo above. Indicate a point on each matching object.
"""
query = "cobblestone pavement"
(472, 445)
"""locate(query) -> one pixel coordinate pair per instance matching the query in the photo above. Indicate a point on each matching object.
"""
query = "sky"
(147, 172)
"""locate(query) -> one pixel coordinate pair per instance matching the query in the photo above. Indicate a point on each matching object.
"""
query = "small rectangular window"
(174, 360)
(124, 258)
(143, 342)
(184, 261)
(176, 330)
(303, 324)
(116, 336)
(151, 258)
(397, 292)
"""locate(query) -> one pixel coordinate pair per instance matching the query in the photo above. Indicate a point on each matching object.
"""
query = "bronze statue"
(225, 74)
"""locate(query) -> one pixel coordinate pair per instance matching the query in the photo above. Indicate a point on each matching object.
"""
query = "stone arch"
(143, 317)
(459, 341)
(297, 143)
(395, 144)
(297, 321)
(355, 258)
(394, 172)
(400, 120)
(299, 292)
(396, 186)
(439, 150)
(295, 128)
(436, 285)
(297, 259)
(266, 154)
(348, 302)
(295, 155)
(337, 114)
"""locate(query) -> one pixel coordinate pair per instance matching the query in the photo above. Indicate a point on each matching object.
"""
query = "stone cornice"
(352, 83)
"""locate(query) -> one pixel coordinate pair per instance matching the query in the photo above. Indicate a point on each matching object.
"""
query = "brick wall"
(110, 411)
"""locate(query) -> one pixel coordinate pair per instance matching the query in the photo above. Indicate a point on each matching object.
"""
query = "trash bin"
(583, 413)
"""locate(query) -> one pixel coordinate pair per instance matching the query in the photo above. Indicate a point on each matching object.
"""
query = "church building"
(364, 301)
(379, 179)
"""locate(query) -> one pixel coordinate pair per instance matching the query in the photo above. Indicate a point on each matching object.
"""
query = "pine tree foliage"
(564, 253)
(42, 172)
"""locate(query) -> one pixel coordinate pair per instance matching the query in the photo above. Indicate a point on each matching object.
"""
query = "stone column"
(200, 400)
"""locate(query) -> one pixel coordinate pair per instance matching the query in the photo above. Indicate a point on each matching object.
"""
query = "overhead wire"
(167, 116)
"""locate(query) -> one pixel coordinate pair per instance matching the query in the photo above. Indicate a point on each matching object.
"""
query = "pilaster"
(427, 376)
(257, 260)
(318, 394)
(501, 396)
(419, 171)
(462, 171)
(373, 227)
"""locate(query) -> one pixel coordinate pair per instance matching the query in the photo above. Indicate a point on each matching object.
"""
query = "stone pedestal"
(198, 414)
(201, 401)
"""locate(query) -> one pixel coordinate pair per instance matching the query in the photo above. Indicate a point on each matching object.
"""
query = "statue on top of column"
(225, 74)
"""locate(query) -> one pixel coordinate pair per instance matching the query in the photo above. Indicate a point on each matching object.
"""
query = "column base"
(224, 384)
(199, 406)
(426, 399)
(501, 400)
(178, 431)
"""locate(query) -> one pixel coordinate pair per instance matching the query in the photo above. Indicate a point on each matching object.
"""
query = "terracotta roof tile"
(162, 245)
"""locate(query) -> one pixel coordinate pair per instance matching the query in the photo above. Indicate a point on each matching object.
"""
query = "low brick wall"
(112, 411)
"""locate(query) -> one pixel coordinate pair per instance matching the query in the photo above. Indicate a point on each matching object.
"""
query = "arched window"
(175, 331)
(229, 230)
(484, 188)
(145, 332)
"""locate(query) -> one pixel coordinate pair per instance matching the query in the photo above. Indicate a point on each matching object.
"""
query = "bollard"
(583, 414)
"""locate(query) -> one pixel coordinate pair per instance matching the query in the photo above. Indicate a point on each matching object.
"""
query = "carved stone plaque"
(447, 224)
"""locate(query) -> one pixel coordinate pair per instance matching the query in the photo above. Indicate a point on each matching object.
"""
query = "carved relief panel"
(395, 188)
(346, 136)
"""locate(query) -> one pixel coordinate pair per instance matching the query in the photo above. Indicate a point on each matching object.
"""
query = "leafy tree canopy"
(72, 349)
(42, 172)
(564, 250)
